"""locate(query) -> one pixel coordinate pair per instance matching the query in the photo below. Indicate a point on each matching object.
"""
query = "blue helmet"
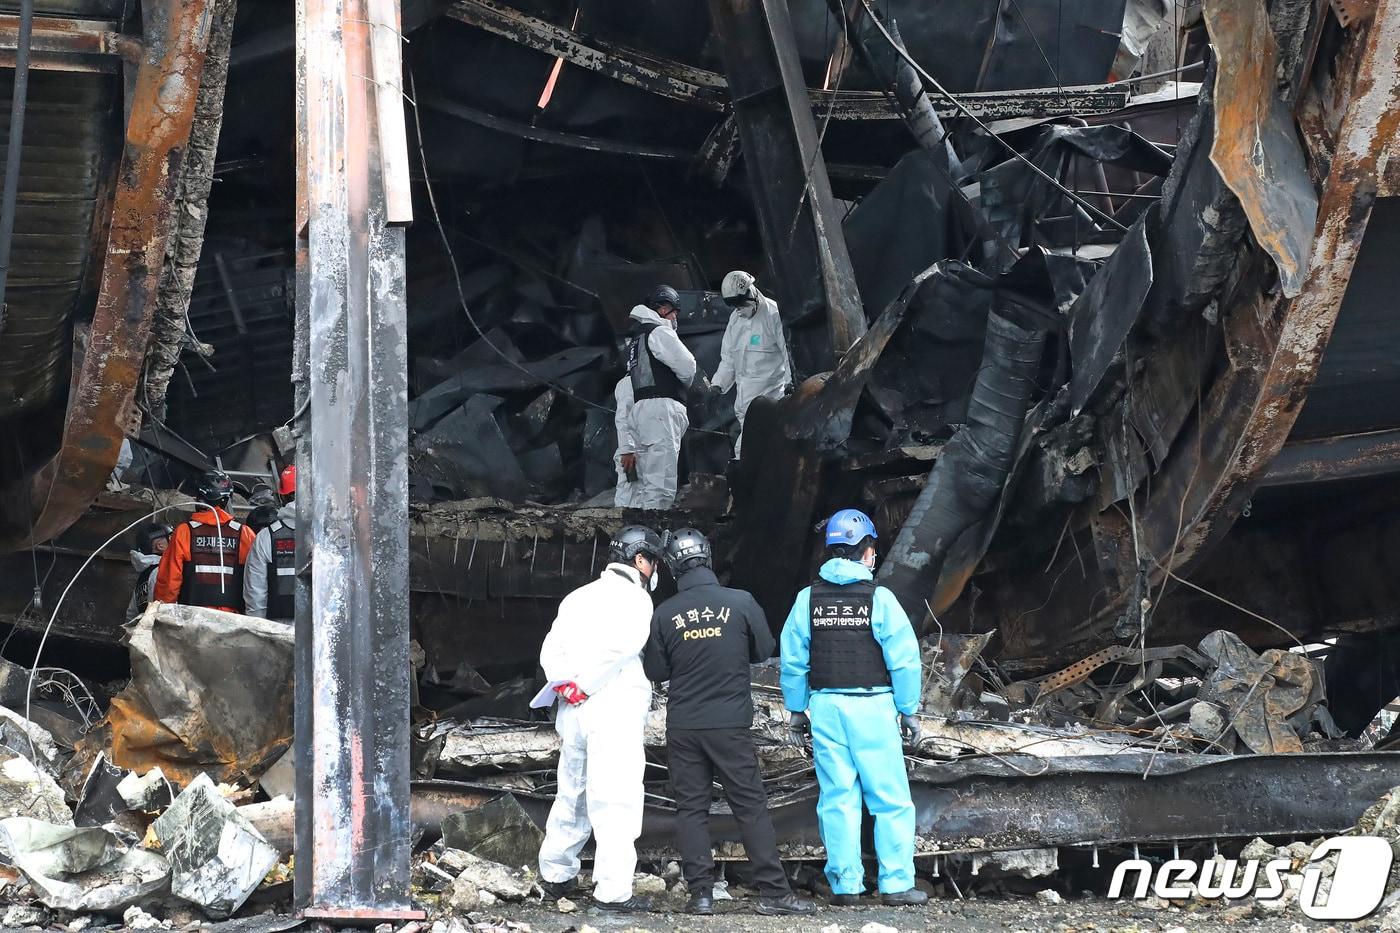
(849, 526)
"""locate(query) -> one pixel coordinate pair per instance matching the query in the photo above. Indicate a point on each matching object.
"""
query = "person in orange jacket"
(203, 566)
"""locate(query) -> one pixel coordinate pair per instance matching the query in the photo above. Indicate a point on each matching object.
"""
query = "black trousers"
(697, 757)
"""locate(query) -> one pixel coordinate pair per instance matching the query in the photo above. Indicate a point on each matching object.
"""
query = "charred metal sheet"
(187, 663)
(1247, 436)
(1256, 144)
(787, 177)
(63, 44)
(1106, 311)
(1327, 459)
(707, 89)
(68, 150)
(101, 406)
(1145, 798)
(351, 729)
(1242, 418)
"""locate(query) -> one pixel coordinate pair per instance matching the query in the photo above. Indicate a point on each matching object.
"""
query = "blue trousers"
(859, 756)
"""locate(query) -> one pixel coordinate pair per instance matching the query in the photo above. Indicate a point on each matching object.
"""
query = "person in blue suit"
(851, 677)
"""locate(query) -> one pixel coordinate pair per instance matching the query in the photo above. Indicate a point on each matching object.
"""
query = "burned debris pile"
(179, 797)
(1053, 320)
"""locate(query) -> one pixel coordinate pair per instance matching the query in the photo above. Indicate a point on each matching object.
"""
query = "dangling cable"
(29, 688)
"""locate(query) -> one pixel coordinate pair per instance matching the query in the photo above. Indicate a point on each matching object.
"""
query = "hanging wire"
(1046, 58)
(962, 108)
(457, 276)
(43, 640)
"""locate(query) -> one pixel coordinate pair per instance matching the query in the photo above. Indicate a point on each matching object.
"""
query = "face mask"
(869, 561)
(651, 582)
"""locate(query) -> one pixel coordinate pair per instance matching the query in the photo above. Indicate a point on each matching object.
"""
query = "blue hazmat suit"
(856, 743)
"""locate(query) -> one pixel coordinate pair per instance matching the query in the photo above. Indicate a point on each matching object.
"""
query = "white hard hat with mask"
(754, 355)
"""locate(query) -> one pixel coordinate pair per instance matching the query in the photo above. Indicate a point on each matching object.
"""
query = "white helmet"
(737, 289)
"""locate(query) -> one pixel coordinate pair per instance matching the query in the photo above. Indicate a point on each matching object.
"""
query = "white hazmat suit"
(658, 425)
(596, 642)
(626, 495)
(754, 355)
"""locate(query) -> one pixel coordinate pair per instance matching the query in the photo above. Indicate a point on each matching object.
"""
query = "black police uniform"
(703, 640)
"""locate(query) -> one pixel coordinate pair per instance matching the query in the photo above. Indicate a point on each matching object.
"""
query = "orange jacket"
(171, 574)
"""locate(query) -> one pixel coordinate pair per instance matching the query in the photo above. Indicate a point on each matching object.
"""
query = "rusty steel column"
(787, 176)
(352, 842)
(101, 406)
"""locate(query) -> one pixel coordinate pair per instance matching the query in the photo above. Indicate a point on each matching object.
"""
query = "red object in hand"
(571, 693)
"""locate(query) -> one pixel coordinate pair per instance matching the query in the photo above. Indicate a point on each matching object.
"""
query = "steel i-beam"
(787, 176)
(352, 841)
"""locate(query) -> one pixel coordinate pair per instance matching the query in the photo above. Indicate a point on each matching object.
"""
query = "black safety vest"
(650, 378)
(141, 592)
(213, 574)
(281, 572)
(845, 653)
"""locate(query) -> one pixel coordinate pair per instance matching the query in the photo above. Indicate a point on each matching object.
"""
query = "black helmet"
(147, 535)
(663, 295)
(214, 488)
(686, 548)
(634, 540)
(261, 495)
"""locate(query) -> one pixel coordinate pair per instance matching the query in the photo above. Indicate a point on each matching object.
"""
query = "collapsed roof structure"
(1090, 302)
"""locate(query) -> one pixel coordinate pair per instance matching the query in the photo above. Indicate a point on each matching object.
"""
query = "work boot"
(844, 900)
(701, 904)
(789, 903)
(558, 889)
(911, 898)
(636, 904)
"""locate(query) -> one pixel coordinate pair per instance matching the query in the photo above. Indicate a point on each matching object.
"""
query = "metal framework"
(63, 44)
(709, 90)
(102, 403)
(351, 746)
(787, 175)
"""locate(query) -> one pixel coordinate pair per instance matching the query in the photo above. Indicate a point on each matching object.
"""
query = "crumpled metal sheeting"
(1199, 224)
(27, 790)
(1012, 194)
(1262, 692)
(210, 693)
(902, 227)
(1256, 144)
(217, 858)
(436, 402)
(81, 869)
(933, 360)
(947, 661)
(466, 454)
(484, 746)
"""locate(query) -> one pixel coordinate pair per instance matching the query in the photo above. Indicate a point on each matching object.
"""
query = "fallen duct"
(971, 472)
